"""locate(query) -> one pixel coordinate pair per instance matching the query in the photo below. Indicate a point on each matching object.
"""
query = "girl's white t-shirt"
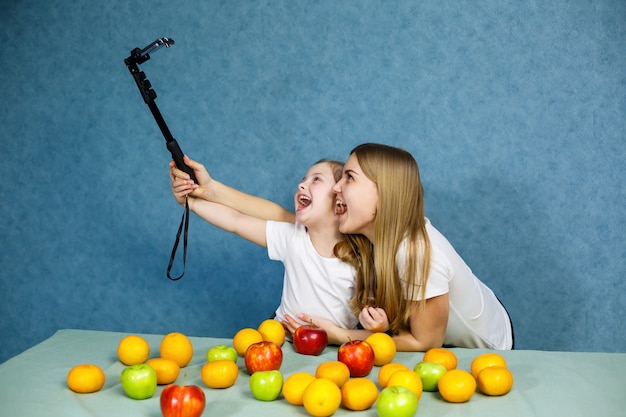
(476, 319)
(312, 284)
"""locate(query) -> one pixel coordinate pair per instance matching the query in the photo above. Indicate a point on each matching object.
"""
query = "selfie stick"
(139, 56)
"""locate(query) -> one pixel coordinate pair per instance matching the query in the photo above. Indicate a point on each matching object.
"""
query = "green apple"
(396, 401)
(430, 373)
(266, 385)
(139, 381)
(221, 352)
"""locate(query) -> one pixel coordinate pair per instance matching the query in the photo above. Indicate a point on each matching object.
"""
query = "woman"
(410, 281)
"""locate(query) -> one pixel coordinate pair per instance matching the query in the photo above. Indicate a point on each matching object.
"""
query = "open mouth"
(340, 207)
(304, 201)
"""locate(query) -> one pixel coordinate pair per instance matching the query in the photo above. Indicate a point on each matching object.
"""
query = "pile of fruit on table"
(338, 383)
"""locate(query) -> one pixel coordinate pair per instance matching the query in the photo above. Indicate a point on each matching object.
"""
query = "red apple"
(358, 355)
(310, 340)
(182, 401)
(263, 356)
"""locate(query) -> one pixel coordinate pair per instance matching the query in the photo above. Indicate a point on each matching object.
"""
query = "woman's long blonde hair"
(399, 217)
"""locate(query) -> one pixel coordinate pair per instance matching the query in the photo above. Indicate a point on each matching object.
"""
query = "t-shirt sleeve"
(278, 235)
(438, 282)
(440, 274)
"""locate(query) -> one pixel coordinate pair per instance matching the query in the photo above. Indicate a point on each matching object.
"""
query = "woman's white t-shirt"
(313, 284)
(476, 319)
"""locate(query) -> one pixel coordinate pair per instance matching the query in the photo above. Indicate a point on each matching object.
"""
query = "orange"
(85, 378)
(384, 348)
(166, 369)
(177, 347)
(441, 356)
(294, 386)
(272, 331)
(457, 386)
(408, 379)
(244, 338)
(486, 360)
(336, 371)
(219, 374)
(359, 394)
(321, 398)
(495, 380)
(133, 350)
(386, 371)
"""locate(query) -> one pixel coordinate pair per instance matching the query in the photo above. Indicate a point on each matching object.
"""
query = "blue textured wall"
(515, 111)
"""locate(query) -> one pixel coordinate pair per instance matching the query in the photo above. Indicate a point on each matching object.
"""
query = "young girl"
(410, 280)
(314, 280)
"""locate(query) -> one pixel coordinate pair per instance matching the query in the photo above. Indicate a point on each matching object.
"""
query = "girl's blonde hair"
(399, 217)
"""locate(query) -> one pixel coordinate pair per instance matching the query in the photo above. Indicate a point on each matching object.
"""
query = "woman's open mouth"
(340, 207)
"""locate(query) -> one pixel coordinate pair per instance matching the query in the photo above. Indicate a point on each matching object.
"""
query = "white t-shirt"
(313, 284)
(477, 319)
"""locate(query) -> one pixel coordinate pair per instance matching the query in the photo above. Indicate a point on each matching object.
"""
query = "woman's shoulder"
(437, 239)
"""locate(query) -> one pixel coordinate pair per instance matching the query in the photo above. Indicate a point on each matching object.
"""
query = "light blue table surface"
(546, 383)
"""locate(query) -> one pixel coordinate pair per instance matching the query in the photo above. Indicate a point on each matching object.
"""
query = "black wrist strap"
(184, 222)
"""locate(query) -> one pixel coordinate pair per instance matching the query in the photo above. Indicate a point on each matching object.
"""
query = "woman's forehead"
(352, 163)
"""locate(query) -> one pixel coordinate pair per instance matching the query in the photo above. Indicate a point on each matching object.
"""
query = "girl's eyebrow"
(315, 174)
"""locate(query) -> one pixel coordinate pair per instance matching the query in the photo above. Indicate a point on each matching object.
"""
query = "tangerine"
(457, 386)
(486, 360)
(336, 371)
(385, 372)
(85, 378)
(321, 398)
(442, 356)
(495, 380)
(359, 394)
(384, 348)
(219, 374)
(408, 379)
(272, 331)
(177, 347)
(244, 338)
(133, 350)
(294, 386)
(167, 370)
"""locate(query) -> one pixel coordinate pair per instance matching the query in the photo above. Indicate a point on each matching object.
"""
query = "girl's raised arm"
(230, 220)
(212, 190)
